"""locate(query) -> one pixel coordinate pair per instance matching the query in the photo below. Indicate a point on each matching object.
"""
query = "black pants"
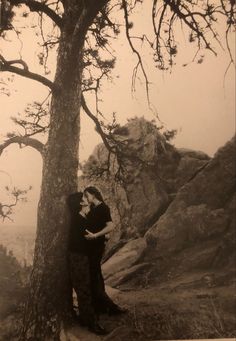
(101, 301)
(81, 283)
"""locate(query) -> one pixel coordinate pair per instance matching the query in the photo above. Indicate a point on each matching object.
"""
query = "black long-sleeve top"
(98, 217)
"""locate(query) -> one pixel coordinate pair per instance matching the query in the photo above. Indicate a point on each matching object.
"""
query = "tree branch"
(97, 123)
(36, 6)
(6, 210)
(27, 141)
(134, 50)
(24, 72)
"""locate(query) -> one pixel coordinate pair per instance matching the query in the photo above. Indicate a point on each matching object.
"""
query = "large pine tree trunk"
(49, 300)
(50, 292)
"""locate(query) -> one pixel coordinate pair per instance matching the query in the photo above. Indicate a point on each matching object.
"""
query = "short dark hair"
(93, 190)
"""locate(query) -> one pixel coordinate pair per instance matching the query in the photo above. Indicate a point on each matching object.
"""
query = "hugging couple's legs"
(101, 301)
(81, 282)
(80, 277)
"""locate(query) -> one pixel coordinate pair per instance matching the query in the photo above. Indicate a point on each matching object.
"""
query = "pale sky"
(195, 99)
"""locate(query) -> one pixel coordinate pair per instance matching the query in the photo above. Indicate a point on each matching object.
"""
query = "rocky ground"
(183, 308)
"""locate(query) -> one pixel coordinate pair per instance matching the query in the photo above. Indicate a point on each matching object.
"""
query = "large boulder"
(118, 278)
(202, 208)
(125, 258)
(186, 226)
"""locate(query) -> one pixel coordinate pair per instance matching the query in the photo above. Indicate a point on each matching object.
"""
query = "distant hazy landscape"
(19, 240)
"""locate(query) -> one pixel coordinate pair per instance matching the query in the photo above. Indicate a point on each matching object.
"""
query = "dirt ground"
(192, 306)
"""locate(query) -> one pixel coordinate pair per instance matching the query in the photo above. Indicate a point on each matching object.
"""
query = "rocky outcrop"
(154, 170)
(202, 209)
(197, 231)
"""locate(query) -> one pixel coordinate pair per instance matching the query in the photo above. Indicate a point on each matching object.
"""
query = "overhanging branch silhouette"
(8, 66)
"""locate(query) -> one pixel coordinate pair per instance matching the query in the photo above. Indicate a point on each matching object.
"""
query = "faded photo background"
(171, 257)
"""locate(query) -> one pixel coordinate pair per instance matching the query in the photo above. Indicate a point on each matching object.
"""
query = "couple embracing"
(90, 223)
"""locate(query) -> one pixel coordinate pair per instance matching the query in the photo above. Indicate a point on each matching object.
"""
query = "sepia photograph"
(117, 170)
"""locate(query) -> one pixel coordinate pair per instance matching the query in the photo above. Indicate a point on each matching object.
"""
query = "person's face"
(85, 201)
(85, 205)
(89, 197)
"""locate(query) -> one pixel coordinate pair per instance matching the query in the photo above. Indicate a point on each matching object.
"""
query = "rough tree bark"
(49, 300)
(49, 287)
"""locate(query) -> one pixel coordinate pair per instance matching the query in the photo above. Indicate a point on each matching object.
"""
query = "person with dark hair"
(100, 224)
(79, 263)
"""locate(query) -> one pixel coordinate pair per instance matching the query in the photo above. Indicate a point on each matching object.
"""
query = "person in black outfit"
(79, 263)
(99, 224)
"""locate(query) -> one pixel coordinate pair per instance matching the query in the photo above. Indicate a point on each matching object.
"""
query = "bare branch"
(24, 72)
(36, 6)
(97, 123)
(140, 62)
(6, 210)
(23, 140)
(36, 120)
(114, 146)
(200, 18)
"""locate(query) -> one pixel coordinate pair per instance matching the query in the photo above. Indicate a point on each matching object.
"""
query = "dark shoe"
(117, 311)
(97, 329)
